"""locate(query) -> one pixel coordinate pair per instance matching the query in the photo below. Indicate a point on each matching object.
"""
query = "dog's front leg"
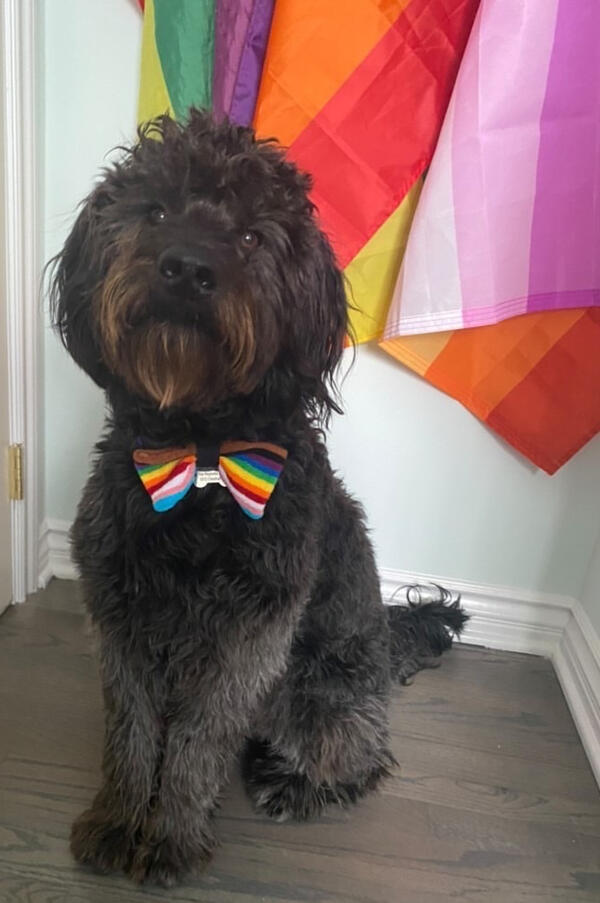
(210, 711)
(178, 835)
(106, 834)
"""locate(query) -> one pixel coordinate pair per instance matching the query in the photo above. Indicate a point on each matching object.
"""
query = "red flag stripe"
(555, 409)
(376, 135)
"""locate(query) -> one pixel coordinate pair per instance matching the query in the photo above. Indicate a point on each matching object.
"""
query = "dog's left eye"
(157, 214)
(249, 240)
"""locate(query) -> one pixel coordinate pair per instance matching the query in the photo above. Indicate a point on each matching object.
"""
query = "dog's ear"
(76, 273)
(319, 326)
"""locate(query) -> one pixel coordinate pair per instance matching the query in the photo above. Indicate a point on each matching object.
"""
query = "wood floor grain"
(494, 800)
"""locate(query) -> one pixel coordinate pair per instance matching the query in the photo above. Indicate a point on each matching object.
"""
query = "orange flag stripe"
(470, 360)
(417, 351)
(505, 373)
(469, 364)
(292, 92)
(569, 374)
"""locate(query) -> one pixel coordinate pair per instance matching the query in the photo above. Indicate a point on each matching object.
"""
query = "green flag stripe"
(184, 34)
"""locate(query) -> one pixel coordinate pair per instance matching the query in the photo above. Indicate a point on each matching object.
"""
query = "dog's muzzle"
(187, 271)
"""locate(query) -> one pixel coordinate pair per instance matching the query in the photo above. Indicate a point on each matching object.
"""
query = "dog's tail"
(421, 631)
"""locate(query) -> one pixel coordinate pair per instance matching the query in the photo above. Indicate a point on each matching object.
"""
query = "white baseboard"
(55, 552)
(501, 618)
(576, 660)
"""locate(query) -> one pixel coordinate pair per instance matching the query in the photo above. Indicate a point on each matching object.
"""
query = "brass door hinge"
(15, 472)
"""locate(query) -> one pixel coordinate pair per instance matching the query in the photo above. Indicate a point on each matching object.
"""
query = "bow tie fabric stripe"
(166, 474)
(250, 470)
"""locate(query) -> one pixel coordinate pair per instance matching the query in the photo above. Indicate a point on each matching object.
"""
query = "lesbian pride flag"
(509, 219)
(507, 232)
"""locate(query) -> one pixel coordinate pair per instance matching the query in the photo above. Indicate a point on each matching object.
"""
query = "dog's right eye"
(157, 214)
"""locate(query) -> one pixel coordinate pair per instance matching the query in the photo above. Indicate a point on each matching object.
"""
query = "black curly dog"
(197, 290)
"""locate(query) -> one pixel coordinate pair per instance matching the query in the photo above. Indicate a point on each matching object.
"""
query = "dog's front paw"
(279, 792)
(166, 862)
(97, 840)
(293, 796)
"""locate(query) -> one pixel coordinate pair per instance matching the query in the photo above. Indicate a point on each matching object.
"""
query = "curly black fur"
(422, 632)
(215, 628)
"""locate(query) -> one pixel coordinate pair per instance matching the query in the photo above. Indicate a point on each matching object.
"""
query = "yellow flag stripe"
(373, 272)
(154, 97)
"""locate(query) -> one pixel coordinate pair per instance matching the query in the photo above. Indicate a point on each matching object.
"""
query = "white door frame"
(21, 289)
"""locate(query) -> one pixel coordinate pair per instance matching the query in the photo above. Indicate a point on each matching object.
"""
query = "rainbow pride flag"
(242, 29)
(178, 42)
(358, 93)
(203, 53)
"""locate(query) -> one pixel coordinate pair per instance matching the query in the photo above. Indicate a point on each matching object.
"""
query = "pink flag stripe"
(509, 217)
(495, 140)
(565, 236)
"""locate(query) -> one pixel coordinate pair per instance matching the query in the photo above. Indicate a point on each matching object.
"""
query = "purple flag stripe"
(565, 234)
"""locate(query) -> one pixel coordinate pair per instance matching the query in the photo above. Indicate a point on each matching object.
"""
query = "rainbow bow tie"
(249, 470)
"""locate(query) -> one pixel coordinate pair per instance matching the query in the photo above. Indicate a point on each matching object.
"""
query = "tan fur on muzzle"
(167, 362)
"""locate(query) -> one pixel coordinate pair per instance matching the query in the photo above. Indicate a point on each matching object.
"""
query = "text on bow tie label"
(205, 477)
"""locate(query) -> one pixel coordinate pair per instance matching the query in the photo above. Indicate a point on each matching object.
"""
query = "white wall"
(90, 74)
(590, 598)
(444, 496)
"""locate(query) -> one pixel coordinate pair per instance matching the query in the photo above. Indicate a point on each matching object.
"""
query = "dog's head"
(196, 272)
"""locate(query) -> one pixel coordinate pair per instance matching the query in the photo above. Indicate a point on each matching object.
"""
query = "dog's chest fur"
(203, 575)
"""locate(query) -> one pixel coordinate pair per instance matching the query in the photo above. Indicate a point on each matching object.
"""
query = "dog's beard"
(168, 362)
(165, 363)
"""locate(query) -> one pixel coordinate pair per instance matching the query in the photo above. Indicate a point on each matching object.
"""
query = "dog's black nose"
(187, 269)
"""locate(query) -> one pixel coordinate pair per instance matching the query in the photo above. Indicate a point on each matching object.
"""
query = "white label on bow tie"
(204, 477)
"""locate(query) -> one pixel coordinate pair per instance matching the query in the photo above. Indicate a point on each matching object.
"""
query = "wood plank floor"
(494, 800)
